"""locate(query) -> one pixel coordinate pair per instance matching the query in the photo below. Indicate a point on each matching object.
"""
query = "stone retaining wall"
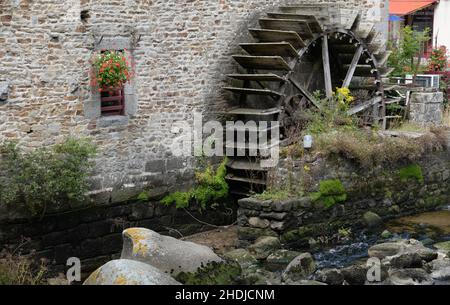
(95, 234)
(387, 192)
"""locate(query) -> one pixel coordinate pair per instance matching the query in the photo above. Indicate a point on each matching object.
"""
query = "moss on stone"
(330, 193)
(214, 273)
(411, 172)
(143, 196)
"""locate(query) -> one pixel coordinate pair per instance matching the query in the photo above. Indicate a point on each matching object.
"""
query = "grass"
(273, 195)
(369, 149)
(17, 269)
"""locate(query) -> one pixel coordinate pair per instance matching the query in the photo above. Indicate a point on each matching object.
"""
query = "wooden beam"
(352, 68)
(365, 105)
(326, 67)
(305, 92)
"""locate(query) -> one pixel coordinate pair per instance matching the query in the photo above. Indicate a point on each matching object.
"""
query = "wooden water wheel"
(296, 51)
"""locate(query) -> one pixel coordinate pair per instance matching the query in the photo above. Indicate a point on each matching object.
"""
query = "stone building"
(181, 52)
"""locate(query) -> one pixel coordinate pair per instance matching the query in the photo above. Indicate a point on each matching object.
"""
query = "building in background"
(421, 14)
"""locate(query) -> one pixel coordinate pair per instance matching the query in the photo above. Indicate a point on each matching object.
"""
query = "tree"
(408, 56)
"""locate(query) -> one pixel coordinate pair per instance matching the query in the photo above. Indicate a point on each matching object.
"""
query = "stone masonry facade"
(181, 53)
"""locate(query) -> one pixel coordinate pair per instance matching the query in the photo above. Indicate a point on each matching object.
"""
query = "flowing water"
(429, 228)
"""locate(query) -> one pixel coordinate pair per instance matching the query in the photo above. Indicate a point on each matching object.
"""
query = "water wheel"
(296, 51)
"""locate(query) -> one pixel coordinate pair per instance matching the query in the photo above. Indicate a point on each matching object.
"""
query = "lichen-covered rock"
(242, 257)
(330, 276)
(280, 259)
(260, 223)
(264, 246)
(256, 275)
(129, 272)
(440, 269)
(166, 253)
(411, 276)
(301, 267)
(386, 250)
(406, 260)
(372, 220)
(355, 275)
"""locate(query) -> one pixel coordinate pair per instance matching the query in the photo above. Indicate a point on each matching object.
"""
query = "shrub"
(330, 193)
(31, 181)
(211, 187)
(438, 59)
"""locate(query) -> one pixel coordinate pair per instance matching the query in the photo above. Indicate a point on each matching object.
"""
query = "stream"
(429, 228)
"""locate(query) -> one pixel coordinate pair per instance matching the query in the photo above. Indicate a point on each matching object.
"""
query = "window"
(112, 102)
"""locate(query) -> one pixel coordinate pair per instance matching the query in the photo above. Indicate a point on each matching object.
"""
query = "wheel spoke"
(351, 70)
(326, 67)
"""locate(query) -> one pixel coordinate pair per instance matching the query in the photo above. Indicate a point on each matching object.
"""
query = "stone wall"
(95, 234)
(387, 192)
(181, 52)
(427, 108)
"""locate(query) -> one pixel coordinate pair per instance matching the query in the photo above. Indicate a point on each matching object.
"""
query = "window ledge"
(113, 120)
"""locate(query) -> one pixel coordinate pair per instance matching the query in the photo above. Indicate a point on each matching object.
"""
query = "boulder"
(440, 269)
(406, 260)
(386, 250)
(372, 220)
(301, 267)
(307, 283)
(259, 223)
(129, 272)
(280, 259)
(264, 246)
(412, 276)
(166, 253)
(444, 246)
(255, 275)
(355, 275)
(330, 276)
(242, 257)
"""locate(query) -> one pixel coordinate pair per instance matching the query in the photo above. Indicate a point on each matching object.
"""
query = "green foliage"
(273, 194)
(332, 114)
(411, 172)
(211, 187)
(33, 180)
(403, 58)
(330, 193)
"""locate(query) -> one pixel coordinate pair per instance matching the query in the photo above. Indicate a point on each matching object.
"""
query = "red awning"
(406, 7)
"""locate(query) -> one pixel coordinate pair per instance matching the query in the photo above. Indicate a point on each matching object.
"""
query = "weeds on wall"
(33, 181)
(211, 188)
